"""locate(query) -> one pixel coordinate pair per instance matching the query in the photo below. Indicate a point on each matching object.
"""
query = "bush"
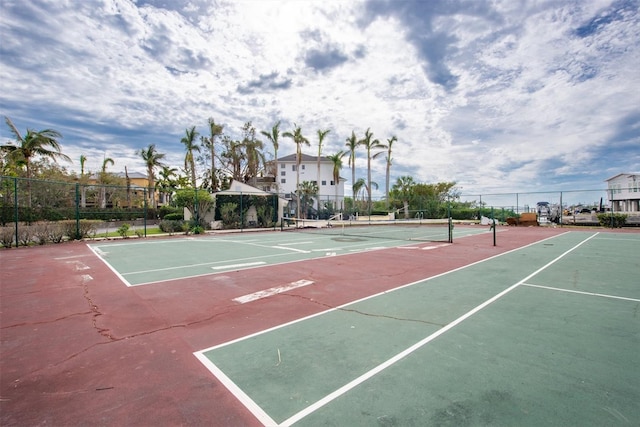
(56, 232)
(612, 220)
(123, 231)
(41, 232)
(167, 226)
(25, 234)
(79, 230)
(6, 236)
(177, 216)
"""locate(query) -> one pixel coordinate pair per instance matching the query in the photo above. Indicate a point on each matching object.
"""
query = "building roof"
(622, 174)
(238, 187)
(303, 158)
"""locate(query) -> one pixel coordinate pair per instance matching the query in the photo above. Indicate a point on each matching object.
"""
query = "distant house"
(624, 192)
(309, 172)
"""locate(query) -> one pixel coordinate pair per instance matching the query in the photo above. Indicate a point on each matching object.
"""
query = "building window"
(283, 166)
(283, 173)
(333, 183)
(293, 168)
(302, 167)
(324, 182)
(283, 181)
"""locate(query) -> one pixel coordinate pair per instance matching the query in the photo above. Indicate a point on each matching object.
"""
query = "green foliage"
(198, 202)
(163, 211)
(612, 220)
(123, 230)
(171, 226)
(178, 216)
(229, 215)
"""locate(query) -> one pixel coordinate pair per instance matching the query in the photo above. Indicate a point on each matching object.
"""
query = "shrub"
(612, 220)
(56, 232)
(6, 236)
(123, 231)
(168, 226)
(176, 216)
(79, 230)
(229, 215)
(41, 232)
(25, 235)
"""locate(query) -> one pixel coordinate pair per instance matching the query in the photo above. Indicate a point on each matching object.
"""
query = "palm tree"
(166, 184)
(403, 189)
(214, 130)
(336, 159)
(352, 143)
(273, 137)
(361, 185)
(189, 143)
(42, 143)
(103, 177)
(370, 145)
(253, 152)
(152, 159)
(308, 190)
(321, 135)
(390, 142)
(298, 139)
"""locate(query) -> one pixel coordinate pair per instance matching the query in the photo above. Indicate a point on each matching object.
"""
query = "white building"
(624, 192)
(309, 172)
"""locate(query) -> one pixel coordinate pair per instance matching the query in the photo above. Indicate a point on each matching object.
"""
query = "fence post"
(241, 216)
(16, 216)
(145, 213)
(78, 211)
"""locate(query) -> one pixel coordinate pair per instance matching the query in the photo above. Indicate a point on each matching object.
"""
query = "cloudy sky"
(498, 96)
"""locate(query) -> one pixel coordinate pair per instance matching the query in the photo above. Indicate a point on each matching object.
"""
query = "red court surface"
(78, 347)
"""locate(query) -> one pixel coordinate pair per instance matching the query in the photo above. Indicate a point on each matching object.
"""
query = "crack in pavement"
(351, 310)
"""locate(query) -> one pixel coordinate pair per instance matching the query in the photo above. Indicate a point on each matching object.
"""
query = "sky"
(497, 96)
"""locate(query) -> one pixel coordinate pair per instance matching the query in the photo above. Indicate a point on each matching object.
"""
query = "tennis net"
(421, 230)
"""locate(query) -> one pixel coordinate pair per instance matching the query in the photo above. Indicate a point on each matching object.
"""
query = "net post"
(493, 226)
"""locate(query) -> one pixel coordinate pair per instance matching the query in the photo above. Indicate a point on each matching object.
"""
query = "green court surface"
(144, 262)
(548, 334)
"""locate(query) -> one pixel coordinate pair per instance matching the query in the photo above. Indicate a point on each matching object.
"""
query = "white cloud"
(535, 90)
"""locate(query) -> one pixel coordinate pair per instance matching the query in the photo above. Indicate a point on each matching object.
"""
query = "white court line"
(342, 390)
(593, 294)
(290, 249)
(272, 291)
(97, 252)
(249, 403)
(246, 264)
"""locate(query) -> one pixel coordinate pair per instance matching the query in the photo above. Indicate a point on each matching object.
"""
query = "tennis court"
(328, 329)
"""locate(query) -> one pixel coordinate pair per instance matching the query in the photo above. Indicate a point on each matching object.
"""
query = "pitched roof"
(303, 158)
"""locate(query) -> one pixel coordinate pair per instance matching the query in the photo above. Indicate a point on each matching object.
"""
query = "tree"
(352, 144)
(152, 159)
(273, 137)
(403, 190)
(321, 135)
(83, 189)
(390, 142)
(103, 180)
(370, 145)
(214, 130)
(189, 162)
(253, 153)
(166, 184)
(307, 191)
(298, 139)
(336, 159)
(42, 143)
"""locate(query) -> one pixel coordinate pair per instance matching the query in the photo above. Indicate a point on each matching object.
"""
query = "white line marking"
(272, 291)
(70, 257)
(339, 392)
(291, 249)
(252, 406)
(98, 252)
(294, 243)
(246, 264)
(86, 278)
(428, 248)
(581, 292)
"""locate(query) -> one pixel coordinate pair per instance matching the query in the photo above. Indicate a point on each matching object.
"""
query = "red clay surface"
(80, 348)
